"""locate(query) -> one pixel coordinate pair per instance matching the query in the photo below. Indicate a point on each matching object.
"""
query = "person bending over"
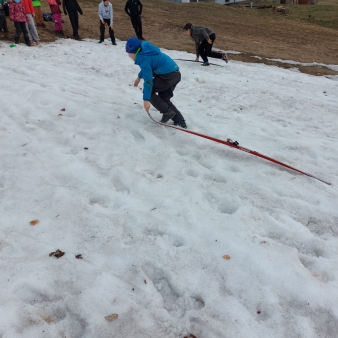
(204, 39)
(160, 75)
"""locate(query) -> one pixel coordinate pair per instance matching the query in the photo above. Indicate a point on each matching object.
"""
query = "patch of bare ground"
(251, 32)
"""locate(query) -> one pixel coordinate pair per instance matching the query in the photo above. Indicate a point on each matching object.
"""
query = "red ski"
(235, 144)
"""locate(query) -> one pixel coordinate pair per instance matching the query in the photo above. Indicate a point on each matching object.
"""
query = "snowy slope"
(153, 210)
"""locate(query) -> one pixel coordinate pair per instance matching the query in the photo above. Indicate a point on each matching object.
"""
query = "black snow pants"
(163, 91)
(102, 29)
(20, 27)
(204, 49)
(3, 22)
(137, 24)
(74, 20)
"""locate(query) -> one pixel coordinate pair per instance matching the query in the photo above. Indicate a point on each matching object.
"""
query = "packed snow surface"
(178, 235)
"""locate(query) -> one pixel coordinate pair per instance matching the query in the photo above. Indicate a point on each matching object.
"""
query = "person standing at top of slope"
(30, 25)
(160, 75)
(106, 17)
(204, 38)
(56, 14)
(18, 15)
(73, 8)
(134, 9)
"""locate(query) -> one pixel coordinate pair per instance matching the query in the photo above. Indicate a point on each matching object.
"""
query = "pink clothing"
(56, 14)
(17, 12)
(55, 9)
(58, 21)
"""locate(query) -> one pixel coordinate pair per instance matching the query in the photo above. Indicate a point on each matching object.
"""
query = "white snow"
(153, 210)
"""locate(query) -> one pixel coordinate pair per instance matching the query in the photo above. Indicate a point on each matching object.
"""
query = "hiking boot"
(16, 41)
(114, 43)
(77, 37)
(101, 41)
(206, 63)
(180, 123)
(167, 115)
(225, 57)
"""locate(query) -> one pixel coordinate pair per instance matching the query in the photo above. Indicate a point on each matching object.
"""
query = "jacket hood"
(149, 49)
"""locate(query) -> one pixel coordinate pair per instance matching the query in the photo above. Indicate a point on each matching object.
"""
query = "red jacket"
(28, 6)
(17, 13)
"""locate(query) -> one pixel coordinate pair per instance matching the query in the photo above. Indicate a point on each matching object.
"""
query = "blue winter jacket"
(152, 62)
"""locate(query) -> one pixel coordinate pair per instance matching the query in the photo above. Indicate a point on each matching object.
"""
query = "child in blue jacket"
(160, 75)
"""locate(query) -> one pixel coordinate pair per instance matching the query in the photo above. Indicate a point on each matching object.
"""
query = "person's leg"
(25, 33)
(111, 31)
(102, 29)
(3, 25)
(112, 36)
(32, 32)
(74, 20)
(133, 20)
(76, 17)
(5, 28)
(178, 116)
(37, 20)
(58, 22)
(17, 31)
(39, 16)
(29, 34)
(139, 26)
(59, 16)
(164, 85)
(166, 95)
(209, 51)
(202, 50)
(161, 92)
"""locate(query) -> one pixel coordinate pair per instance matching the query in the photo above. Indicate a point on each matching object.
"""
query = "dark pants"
(74, 20)
(164, 86)
(102, 29)
(20, 27)
(137, 24)
(204, 49)
(3, 22)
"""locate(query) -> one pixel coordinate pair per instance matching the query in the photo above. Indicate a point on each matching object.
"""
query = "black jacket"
(133, 7)
(71, 5)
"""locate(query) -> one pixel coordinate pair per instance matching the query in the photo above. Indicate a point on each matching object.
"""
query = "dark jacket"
(133, 7)
(71, 5)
